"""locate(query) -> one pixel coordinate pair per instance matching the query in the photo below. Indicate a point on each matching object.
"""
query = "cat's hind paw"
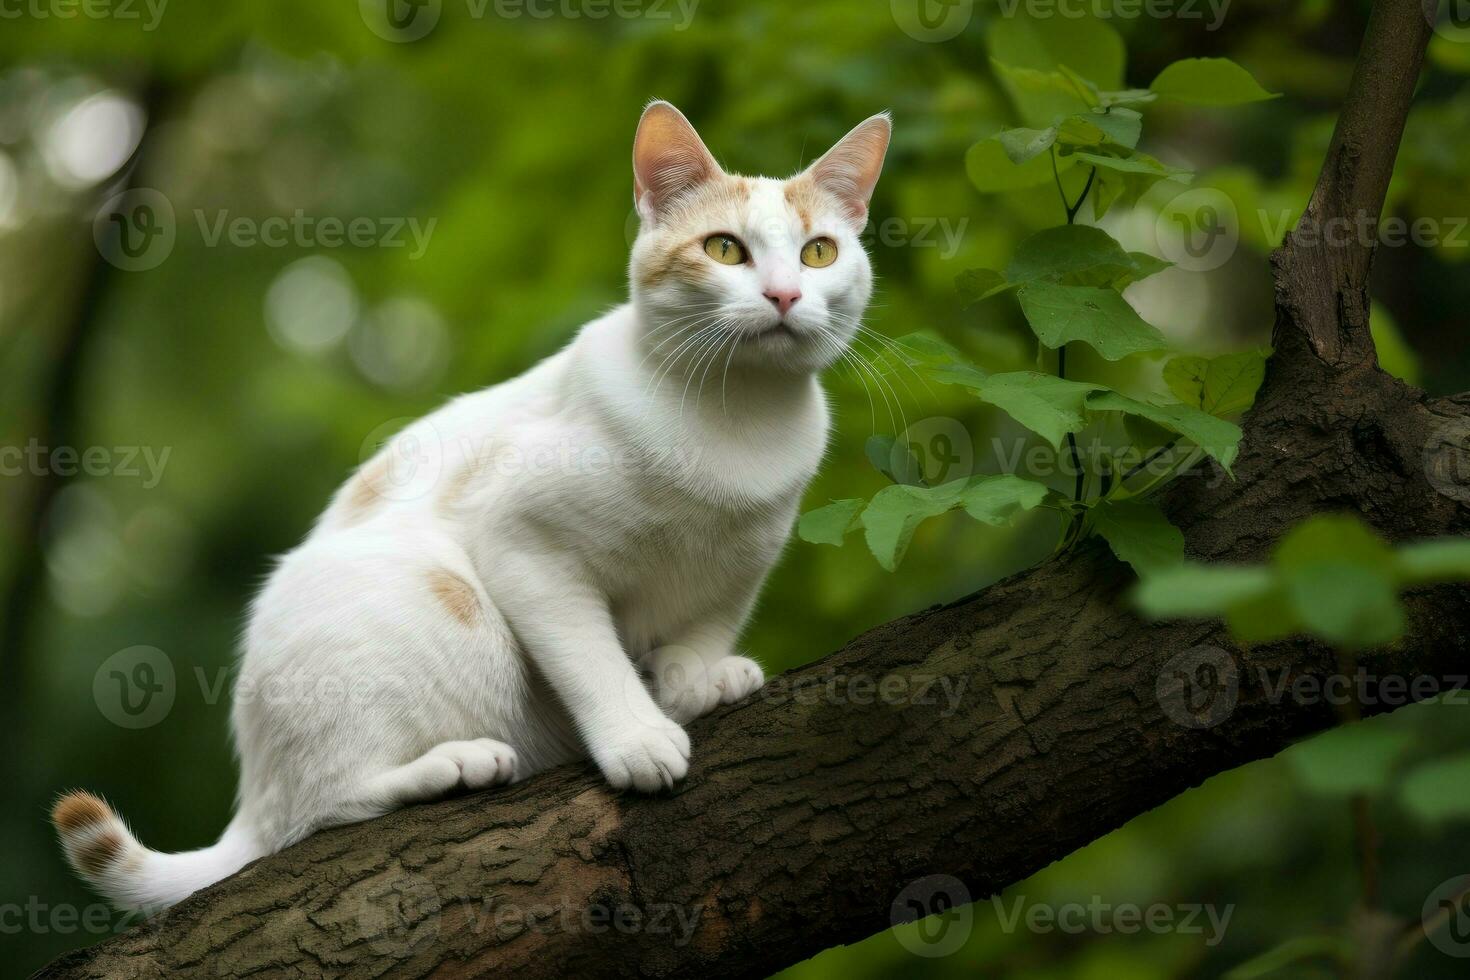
(482, 762)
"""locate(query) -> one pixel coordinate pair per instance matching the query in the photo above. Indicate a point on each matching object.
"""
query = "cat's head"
(750, 270)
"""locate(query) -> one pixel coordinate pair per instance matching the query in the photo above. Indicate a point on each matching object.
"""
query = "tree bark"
(981, 740)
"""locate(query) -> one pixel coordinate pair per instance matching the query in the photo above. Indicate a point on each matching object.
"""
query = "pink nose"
(784, 299)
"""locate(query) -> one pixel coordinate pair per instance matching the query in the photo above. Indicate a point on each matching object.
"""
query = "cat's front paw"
(646, 757)
(736, 678)
(687, 687)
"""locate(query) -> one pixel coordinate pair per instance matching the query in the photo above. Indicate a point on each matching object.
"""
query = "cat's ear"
(668, 159)
(849, 171)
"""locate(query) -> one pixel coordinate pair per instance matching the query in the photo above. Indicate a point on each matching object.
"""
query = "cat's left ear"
(849, 171)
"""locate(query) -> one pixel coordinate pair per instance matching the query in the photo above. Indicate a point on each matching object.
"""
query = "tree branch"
(982, 740)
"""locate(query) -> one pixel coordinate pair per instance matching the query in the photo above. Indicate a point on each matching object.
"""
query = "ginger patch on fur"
(79, 810)
(456, 595)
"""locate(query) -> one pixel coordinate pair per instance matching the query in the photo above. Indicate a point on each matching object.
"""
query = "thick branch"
(981, 740)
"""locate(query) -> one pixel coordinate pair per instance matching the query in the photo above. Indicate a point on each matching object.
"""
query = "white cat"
(477, 602)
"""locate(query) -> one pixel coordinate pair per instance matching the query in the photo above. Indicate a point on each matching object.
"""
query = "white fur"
(617, 506)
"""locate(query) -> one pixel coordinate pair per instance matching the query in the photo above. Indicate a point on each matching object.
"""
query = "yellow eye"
(819, 253)
(724, 250)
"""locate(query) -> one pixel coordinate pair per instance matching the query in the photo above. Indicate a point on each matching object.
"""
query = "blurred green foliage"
(266, 373)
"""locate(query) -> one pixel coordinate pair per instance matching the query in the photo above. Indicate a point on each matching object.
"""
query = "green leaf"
(1439, 790)
(977, 284)
(1084, 47)
(831, 524)
(991, 170)
(895, 512)
(1127, 96)
(1101, 318)
(1340, 581)
(1332, 538)
(1140, 534)
(926, 348)
(1223, 385)
(1352, 606)
(1039, 61)
(1138, 163)
(1357, 758)
(1024, 144)
(1198, 591)
(1263, 619)
(1218, 438)
(1070, 253)
(1043, 403)
(1121, 127)
(1440, 560)
(894, 460)
(1144, 265)
(959, 373)
(1208, 81)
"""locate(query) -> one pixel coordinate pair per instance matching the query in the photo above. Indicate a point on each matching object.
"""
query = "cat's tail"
(101, 848)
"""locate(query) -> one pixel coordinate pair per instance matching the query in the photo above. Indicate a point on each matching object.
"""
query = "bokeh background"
(225, 387)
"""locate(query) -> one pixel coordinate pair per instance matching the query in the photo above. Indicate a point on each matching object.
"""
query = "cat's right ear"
(668, 159)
